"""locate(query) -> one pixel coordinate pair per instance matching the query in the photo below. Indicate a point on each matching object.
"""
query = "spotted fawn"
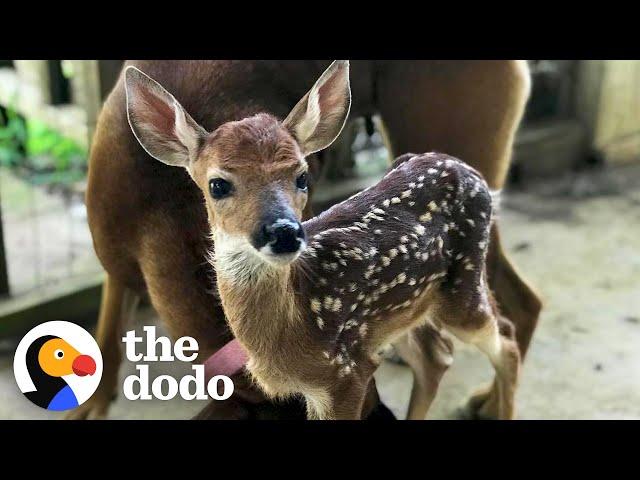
(312, 303)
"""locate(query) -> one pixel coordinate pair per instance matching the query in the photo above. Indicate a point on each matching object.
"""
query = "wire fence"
(46, 236)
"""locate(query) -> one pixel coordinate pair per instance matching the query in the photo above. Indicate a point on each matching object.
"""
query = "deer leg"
(345, 399)
(116, 309)
(347, 403)
(503, 354)
(429, 355)
(518, 302)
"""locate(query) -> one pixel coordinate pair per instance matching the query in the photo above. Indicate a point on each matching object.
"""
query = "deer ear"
(317, 119)
(161, 125)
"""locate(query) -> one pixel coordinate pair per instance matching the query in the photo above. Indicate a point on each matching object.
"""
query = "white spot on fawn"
(332, 304)
(426, 217)
(316, 306)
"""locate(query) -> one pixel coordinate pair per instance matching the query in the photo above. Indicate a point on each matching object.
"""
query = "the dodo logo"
(58, 365)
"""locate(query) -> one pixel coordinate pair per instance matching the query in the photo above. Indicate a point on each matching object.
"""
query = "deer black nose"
(283, 236)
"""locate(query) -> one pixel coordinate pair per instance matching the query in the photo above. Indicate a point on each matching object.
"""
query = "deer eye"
(219, 188)
(302, 181)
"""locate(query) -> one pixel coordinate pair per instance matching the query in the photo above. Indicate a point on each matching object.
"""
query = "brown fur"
(148, 220)
(409, 250)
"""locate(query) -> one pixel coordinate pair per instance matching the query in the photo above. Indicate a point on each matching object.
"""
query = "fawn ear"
(161, 125)
(317, 119)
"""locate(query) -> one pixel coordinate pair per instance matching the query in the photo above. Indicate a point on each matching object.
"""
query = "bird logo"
(57, 365)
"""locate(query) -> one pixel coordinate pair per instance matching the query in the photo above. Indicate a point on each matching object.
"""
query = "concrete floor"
(577, 239)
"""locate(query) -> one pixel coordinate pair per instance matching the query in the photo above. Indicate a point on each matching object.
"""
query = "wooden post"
(607, 103)
(36, 74)
(4, 276)
(85, 88)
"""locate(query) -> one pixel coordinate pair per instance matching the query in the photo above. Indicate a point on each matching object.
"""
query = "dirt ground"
(577, 239)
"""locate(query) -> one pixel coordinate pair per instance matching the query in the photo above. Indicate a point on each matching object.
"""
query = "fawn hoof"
(482, 405)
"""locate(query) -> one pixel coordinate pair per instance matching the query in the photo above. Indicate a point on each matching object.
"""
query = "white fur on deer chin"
(280, 259)
(239, 262)
(235, 259)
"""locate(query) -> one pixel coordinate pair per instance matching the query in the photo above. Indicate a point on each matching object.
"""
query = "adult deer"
(149, 223)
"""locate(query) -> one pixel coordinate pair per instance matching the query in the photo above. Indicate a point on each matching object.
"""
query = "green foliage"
(44, 153)
(13, 134)
(50, 149)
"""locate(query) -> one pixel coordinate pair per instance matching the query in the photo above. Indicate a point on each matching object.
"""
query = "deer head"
(252, 172)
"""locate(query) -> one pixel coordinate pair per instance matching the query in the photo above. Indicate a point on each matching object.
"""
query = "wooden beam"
(4, 276)
(85, 87)
(607, 104)
(72, 300)
(25, 98)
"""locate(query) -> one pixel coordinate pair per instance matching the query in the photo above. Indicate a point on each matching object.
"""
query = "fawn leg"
(344, 400)
(347, 404)
(503, 354)
(520, 303)
(117, 307)
(429, 355)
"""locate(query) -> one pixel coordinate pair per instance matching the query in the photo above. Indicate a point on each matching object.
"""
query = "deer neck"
(258, 298)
